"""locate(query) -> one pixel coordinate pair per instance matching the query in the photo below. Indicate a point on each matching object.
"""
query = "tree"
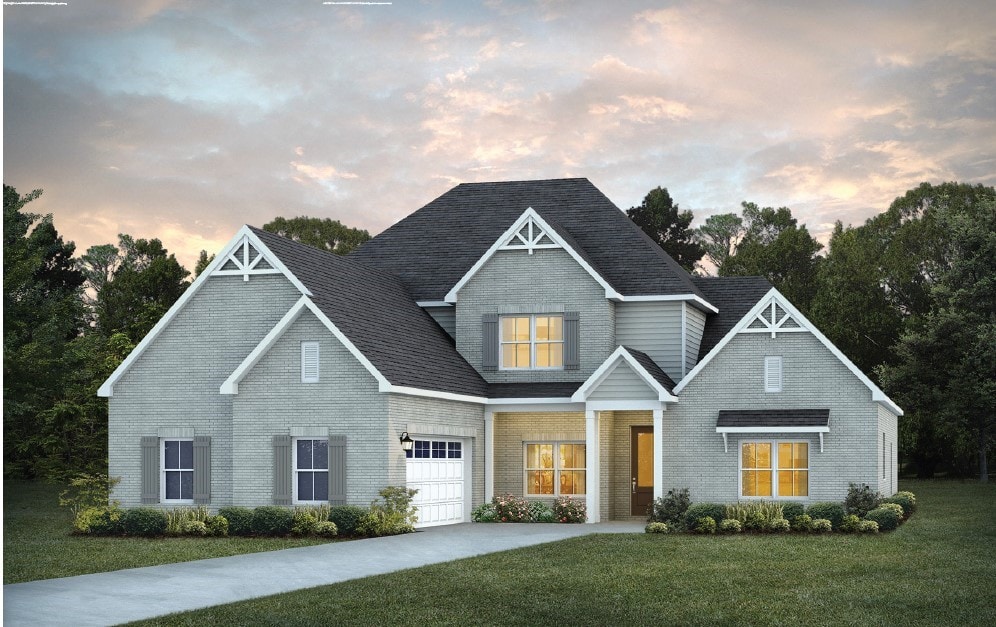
(203, 261)
(660, 218)
(719, 236)
(327, 234)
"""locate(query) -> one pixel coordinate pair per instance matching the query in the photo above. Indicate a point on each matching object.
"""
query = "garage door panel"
(436, 470)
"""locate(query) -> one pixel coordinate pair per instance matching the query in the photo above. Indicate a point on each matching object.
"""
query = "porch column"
(592, 465)
(658, 453)
(489, 455)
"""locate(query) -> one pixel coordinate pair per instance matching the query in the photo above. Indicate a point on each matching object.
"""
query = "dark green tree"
(719, 237)
(662, 220)
(203, 261)
(324, 233)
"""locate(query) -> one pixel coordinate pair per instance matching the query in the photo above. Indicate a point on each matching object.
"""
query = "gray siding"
(345, 401)
(694, 326)
(548, 281)
(813, 378)
(444, 317)
(623, 384)
(174, 384)
(655, 329)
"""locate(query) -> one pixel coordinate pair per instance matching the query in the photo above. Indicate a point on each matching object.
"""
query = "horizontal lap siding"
(694, 326)
(623, 384)
(444, 317)
(655, 329)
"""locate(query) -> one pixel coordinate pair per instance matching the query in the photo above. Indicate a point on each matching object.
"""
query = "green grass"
(938, 569)
(37, 543)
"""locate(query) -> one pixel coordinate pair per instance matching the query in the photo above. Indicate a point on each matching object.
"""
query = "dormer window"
(532, 342)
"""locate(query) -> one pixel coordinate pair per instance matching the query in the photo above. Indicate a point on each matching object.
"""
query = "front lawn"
(37, 543)
(938, 569)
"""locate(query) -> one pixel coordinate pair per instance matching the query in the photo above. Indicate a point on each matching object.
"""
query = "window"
(435, 449)
(555, 468)
(532, 342)
(782, 474)
(177, 470)
(311, 470)
(309, 362)
(772, 374)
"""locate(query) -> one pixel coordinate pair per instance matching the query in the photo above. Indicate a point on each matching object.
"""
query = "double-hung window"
(532, 342)
(311, 470)
(177, 470)
(555, 469)
(774, 469)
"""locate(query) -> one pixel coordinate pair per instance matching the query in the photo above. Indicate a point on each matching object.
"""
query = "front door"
(643, 469)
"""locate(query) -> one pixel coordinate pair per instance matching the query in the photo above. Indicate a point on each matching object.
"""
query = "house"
(526, 335)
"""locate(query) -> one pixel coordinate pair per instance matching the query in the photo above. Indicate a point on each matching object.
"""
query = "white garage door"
(436, 470)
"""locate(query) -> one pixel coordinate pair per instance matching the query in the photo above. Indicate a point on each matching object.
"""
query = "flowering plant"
(511, 508)
(568, 510)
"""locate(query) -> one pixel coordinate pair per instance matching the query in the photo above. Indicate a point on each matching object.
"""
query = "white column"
(489, 455)
(659, 452)
(592, 468)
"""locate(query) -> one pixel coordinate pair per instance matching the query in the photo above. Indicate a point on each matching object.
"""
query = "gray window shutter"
(489, 341)
(283, 472)
(337, 469)
(202, 469)
(150, 469)
(572, 340)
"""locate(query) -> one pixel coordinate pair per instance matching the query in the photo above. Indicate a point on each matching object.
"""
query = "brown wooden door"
(643, 469)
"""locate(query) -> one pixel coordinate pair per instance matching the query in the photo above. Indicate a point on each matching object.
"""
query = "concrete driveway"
(139, 593)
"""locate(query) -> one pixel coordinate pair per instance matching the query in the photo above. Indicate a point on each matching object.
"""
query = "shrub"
(705, 525)
(346, 518)
(180, 516)
(698, 510)
(791, 510)
(547, 517)
(778, 525)
(861, 500)
(802, 523)
(88, 491)
(217, 525)
(304, 523)
(194, 528)
(145, 522)
(822, 525)
(755, 515)
(885, 519)
(538, 509)
(850, 524)
(669, 508)
(755, 521)
(730, 525)
(393, 516)
(511, 508)
(657, 527)
(906, 500)
(485, 512)
(868, 526)
(326, 529)
(896, 507)
(568, 510)
(272, 520)
(834, 512)
(239, 520)
(99, 521)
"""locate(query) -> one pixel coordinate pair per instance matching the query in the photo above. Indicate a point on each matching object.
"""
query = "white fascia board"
(698, 301)
(877, 394)
(610, 292)
(448, 396)
(625, 405)
(609, 365)
(107, 388)
(231, 384)
(532, 401)
(433, 303)
(535, 407)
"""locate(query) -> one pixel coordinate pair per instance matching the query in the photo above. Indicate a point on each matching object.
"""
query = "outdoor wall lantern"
(406, 442)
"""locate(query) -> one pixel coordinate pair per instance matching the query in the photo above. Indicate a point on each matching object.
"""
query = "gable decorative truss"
(242, 244)
(531, 232)
(775, 314)
(616, 359)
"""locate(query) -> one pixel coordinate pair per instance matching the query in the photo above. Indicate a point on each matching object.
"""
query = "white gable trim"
(530, 215)
(448, 396)
(608, 366)
(244, 235)
(690, 298)
(775, 297)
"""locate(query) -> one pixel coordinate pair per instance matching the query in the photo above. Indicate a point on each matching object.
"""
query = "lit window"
(785, 474)
(772, 374)
(178, 470)
(532, 342)
(553, 474)
(309, 362)
(311, 470)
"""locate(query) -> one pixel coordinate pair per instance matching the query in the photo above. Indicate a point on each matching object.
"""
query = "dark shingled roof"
(433, 248)
(734, 297)
(376, 313)
(652, 368)
(533, 390)
(774, 418)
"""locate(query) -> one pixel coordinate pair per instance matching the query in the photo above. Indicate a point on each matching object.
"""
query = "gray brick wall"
(813, 378)
(548, 281)
(888, 424)
(174, 384)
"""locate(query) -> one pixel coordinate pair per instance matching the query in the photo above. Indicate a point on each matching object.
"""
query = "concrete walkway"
(138, 593)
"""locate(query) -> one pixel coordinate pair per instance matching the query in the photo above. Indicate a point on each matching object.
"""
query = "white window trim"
(307, 377)
(556, 469)
(162, 471)
(774, 470)
(295, 469)
(532, 342)
(773, 366)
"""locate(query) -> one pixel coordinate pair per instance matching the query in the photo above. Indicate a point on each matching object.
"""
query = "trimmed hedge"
(145, 522)
(792, 509)
(834, 512)
(701, 510)
(906, 500)
(272, 520)
(886, 518)
(239, 520)
(346, 518)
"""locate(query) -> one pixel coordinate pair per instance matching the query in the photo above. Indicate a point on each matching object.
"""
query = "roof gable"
(639, 363)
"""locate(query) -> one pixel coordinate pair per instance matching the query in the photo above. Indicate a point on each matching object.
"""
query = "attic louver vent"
(530, 237)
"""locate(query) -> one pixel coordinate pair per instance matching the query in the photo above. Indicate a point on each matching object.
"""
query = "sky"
(182, 120)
